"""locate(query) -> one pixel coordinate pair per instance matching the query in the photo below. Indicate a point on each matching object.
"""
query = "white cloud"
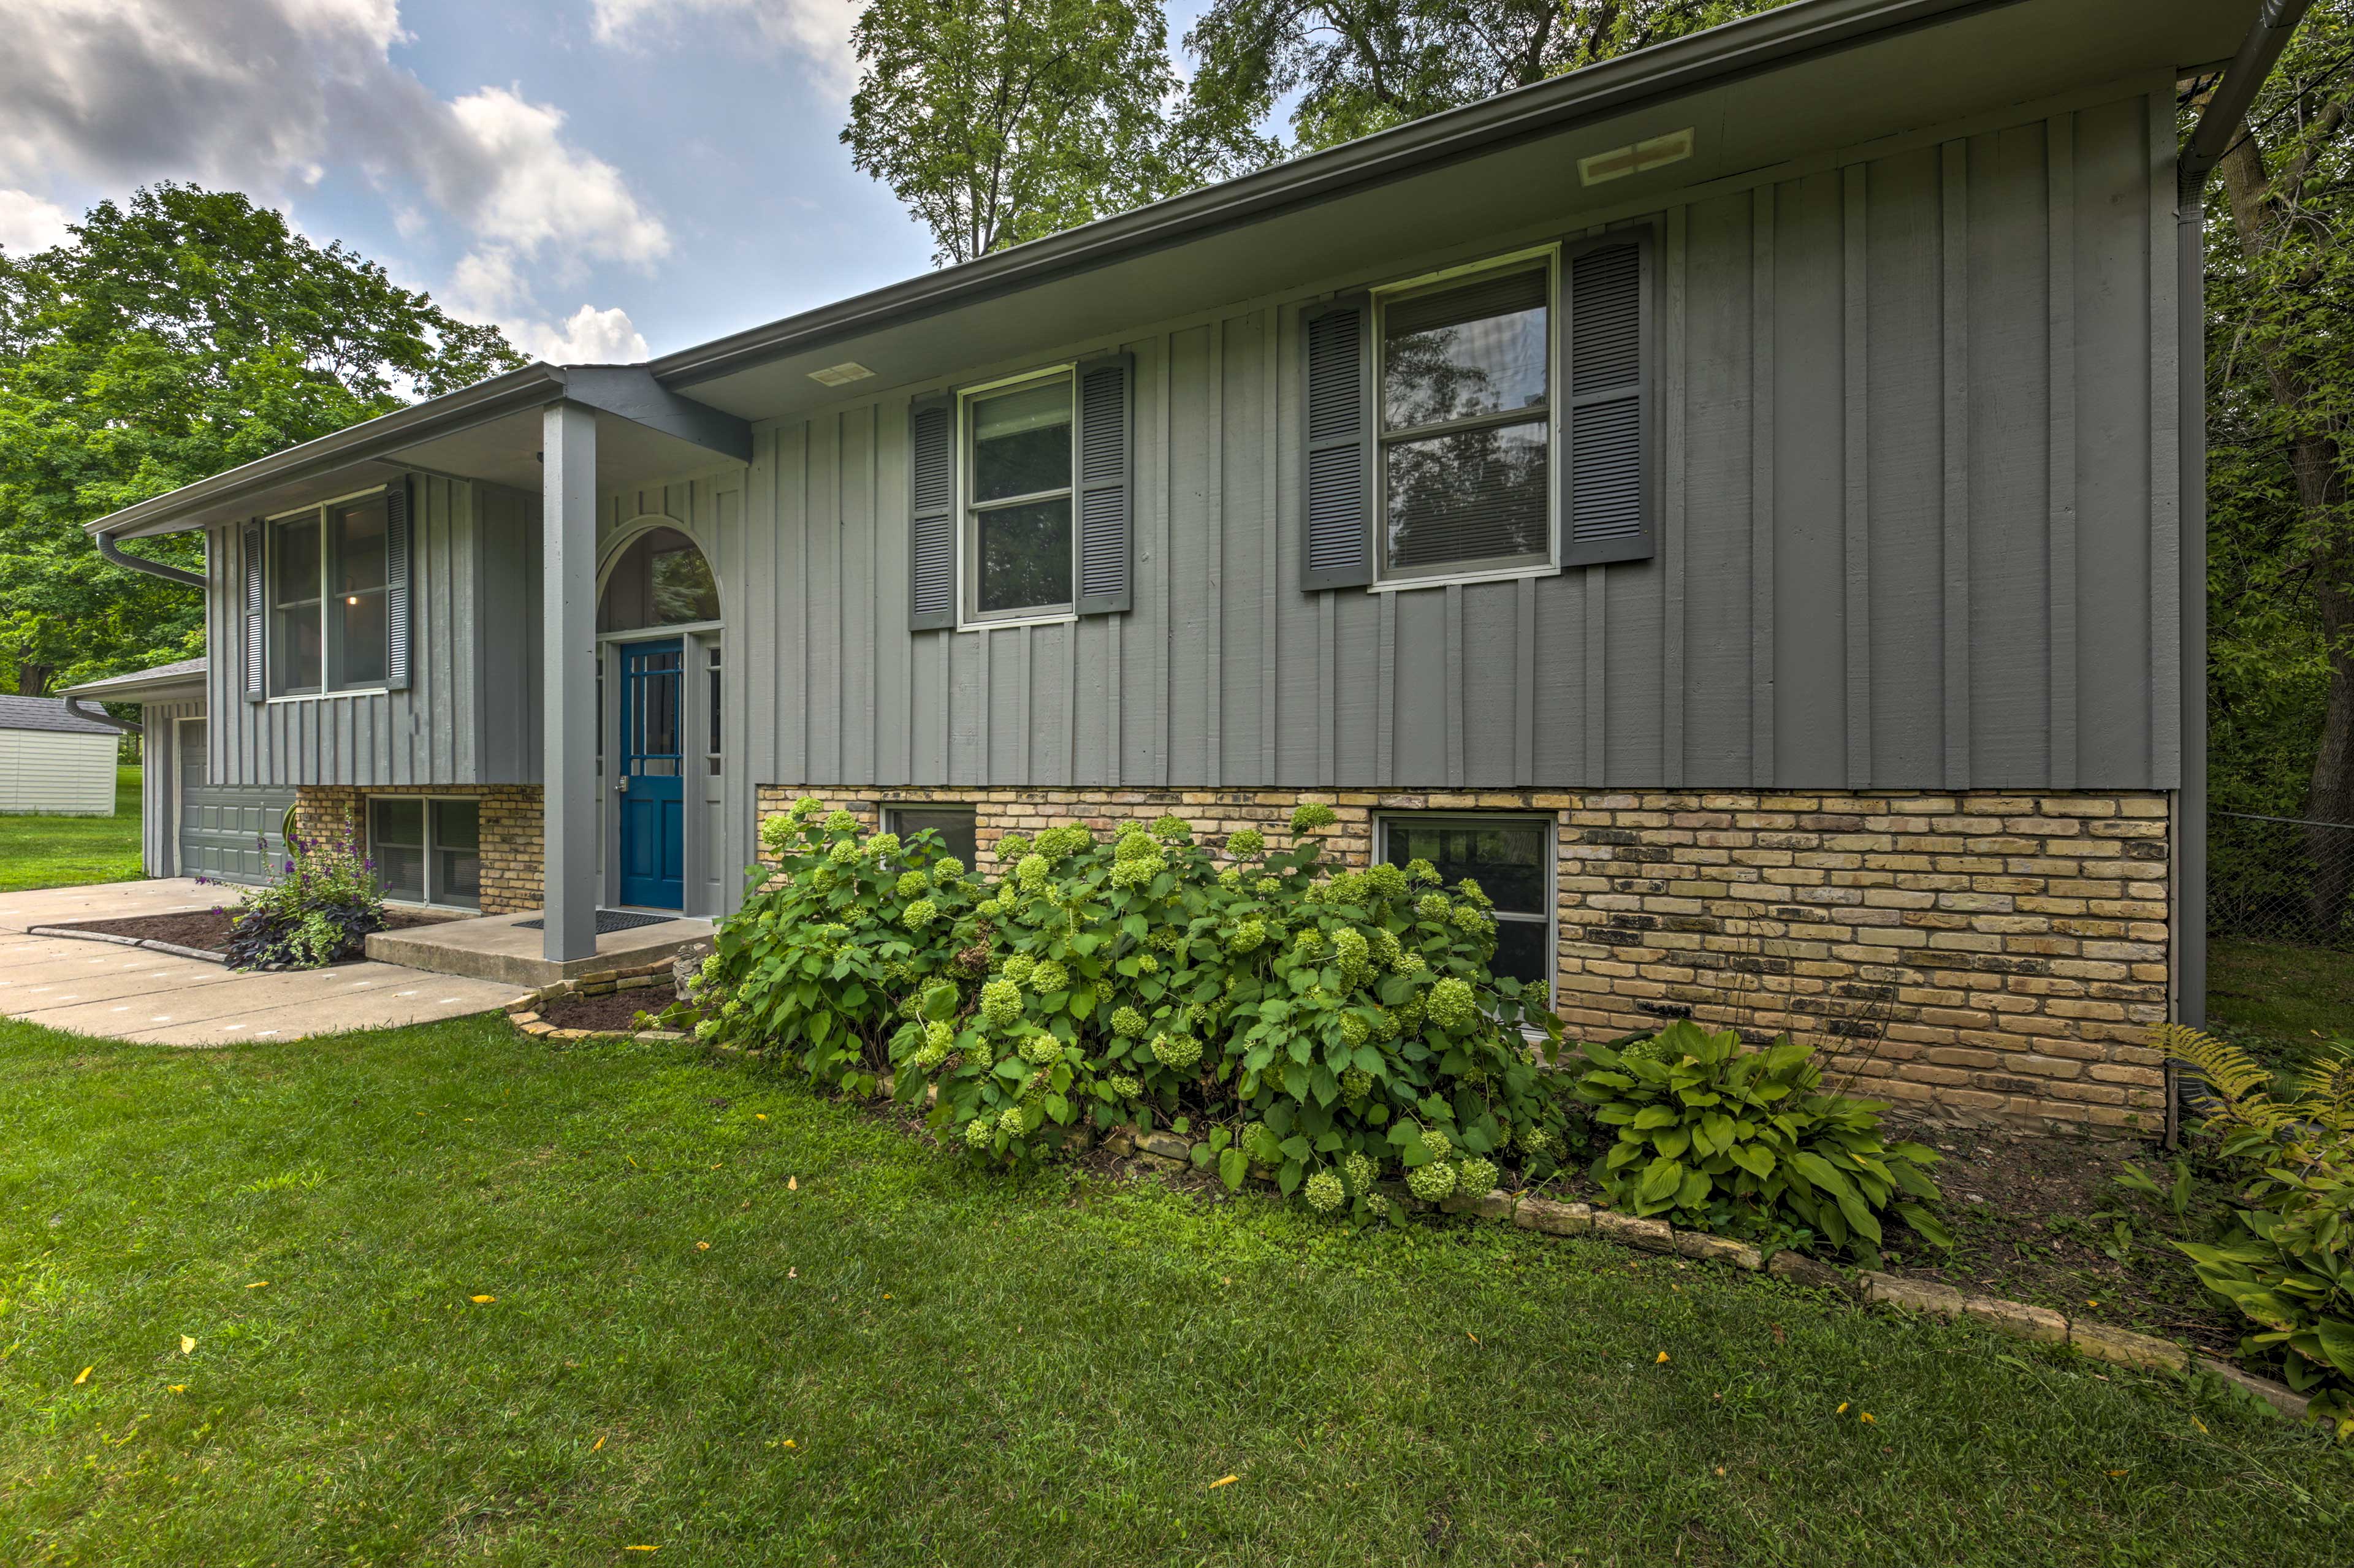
(590, 336)
(27, 223)
(816, 30)
(261, 95)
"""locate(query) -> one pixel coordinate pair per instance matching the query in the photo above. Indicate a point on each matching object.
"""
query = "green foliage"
(319, 911)
(2293, 1270)
(180, 333)
(1351, 70)
(1103, 984)
(1002, 120)
(1723, 1137)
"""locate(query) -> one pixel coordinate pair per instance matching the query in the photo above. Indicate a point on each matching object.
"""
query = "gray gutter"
(2219, 123)
(1720, 54)
(527, 388)
(170, 574)
(73, 706)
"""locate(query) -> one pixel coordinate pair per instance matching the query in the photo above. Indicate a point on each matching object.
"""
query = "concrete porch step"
(500, 947)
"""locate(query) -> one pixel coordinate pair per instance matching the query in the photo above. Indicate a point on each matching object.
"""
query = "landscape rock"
(1553, 1218)
(1492, 1205)
(2279, 1395)
(2128, 1348)
(2017, 1318)
(1719, 1249)
(1799, 1270)
(1653, 1236)
(1912, 1295)
(686, 966)
(1165, 1147)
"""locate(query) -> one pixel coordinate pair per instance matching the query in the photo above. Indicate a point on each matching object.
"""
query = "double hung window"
(428, 850)
(329, 575)
(1511, 860)
(1018, 493)
(1464, 385)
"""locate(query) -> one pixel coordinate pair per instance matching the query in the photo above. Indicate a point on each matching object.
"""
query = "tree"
(182, 332)
(1361, 66)
(1002, 120)
(2280, 295)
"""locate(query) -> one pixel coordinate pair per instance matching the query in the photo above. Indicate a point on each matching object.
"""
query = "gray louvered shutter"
(1607, 484)
(257, 681)
(1338, 516)
(396, 574)
(1107, 483)
(931, 513)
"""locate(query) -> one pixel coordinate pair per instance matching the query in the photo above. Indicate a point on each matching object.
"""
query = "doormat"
(607, 922)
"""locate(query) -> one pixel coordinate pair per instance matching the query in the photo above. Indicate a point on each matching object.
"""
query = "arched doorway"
(657, 618)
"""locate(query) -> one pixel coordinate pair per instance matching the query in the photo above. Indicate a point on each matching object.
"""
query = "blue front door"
(651, 797)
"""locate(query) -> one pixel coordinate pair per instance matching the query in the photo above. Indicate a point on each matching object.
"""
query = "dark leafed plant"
(1720, 1137)
(319, 911)
(1329, 1026)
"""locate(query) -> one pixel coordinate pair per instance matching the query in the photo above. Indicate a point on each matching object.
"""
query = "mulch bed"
(208, 929)
(607, 1014)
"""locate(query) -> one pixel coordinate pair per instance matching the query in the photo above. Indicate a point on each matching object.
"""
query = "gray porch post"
(568, 772)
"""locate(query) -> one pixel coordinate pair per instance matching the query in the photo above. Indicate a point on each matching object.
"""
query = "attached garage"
(54, 761)
(192, 826)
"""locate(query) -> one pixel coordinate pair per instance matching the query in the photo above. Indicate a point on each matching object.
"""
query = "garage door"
(228, 833)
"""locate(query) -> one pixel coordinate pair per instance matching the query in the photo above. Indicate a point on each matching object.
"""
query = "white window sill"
(1503, 574)
(1064, 617)
(331, 696)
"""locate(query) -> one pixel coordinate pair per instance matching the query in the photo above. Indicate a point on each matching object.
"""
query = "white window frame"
(969, 617)
(328, 646)
(1551, 827)
(1388, 579)
(428, 849)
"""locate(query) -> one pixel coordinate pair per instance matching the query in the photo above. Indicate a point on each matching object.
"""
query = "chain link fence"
(2282, 879)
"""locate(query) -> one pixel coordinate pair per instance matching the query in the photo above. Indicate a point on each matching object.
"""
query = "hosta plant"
(1335, 1027)
(1717, 1136)
(2290, 1268)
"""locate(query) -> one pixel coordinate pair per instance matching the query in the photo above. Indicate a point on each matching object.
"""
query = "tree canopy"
(178, 334)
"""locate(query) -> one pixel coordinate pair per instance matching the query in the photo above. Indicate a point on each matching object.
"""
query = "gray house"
(1742, 500)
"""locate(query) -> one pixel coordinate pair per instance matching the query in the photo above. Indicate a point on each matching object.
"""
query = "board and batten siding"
(159, 849)
(1919, 531)
(470, 713)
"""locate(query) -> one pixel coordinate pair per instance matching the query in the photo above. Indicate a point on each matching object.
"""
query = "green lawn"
(2283, 1001)
(62, 852)
(748, 1326)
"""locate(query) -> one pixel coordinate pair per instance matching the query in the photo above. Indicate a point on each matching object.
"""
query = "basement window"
(428, 849)
(955, 825)
(1511, 860)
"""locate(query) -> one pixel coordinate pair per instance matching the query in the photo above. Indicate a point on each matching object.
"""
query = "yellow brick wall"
(513, 846)
(1982, 956)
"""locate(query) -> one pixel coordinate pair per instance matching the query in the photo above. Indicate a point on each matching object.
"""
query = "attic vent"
(1620, 162)
(841, 375)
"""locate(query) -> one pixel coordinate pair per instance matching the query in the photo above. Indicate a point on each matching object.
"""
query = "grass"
(2282, 1001)
(65, 852)
(749, 1326)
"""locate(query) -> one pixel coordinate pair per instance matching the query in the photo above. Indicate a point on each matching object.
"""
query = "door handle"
(621, 785)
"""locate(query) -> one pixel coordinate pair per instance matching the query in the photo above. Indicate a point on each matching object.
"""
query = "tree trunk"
(33, 679)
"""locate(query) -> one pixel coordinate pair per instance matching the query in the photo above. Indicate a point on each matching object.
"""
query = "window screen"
(397, 844)
(953, 823)
(1018, 484)
(457, 854)
(1510, 858)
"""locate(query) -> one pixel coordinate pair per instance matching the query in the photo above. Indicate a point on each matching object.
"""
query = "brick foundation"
(1979, 956)
(513, 844)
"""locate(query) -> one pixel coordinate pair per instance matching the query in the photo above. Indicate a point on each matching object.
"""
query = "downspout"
(112, 552)
(2219, 123)
(99, 716)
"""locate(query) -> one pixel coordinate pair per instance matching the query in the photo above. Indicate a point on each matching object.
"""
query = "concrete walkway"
(130, 994)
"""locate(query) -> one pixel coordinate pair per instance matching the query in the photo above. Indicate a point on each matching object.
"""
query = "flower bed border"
(2016, 1319)
(524, 1013)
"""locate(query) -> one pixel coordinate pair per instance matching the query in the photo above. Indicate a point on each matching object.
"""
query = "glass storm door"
(648, 792)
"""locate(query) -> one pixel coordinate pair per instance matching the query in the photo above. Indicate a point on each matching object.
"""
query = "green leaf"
(1651, 1117)
(1754, 1157)
(1234, 1165)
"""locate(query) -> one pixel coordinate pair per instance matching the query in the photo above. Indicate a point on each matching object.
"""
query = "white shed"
(55, 760)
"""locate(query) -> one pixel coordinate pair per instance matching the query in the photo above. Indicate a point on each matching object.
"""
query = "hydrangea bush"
(1331, 1026)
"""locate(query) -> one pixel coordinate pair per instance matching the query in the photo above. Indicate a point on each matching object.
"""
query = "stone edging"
(120, 940)
(2017, 1319)
(524, 1013)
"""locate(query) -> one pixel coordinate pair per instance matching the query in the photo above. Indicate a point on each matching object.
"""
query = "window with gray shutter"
(1106, 482)
(1338, 547)
(397, 557)
(256, 590)
(931, 513)
(1608, 483)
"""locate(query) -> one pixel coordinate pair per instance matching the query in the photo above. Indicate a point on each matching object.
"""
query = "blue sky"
(603, 178)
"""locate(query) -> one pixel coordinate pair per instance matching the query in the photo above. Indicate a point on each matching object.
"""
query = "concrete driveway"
(132, 993)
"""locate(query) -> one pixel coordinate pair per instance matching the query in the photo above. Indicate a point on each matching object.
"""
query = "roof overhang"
(490, 432)
(184, 678)
(1782, 86)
